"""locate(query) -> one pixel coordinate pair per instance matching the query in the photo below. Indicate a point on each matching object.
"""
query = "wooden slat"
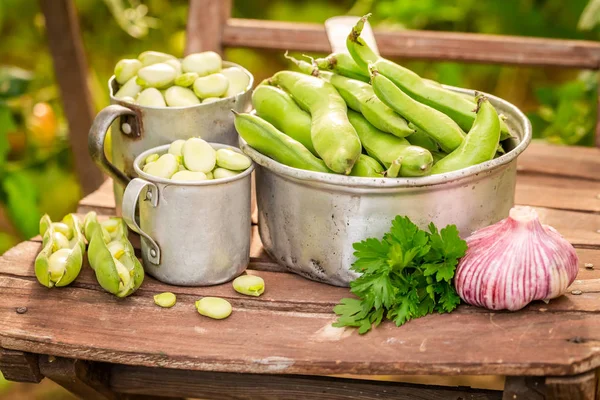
(102, 201)
(287, 291)
(571, 161)
(71, 70)
(134, 331)
(421, 44)
(214, 385)
(20, 367)
(558, 192)
(206, 19)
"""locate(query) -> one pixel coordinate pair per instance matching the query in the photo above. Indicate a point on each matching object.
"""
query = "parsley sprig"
(404, 276)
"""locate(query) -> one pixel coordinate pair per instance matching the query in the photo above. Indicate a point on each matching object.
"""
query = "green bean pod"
(277, 107)
(360, 97)
(368, 167)
(268, 140)
(414, 160)
(480, 144)
(453, 104)
(343, 64)
(435, 123)
(112, 256)
(420, 138)
(60, 260)
(333, 137)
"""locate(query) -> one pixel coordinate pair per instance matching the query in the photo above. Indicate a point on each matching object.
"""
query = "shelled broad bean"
(195, 159)
(160, 80)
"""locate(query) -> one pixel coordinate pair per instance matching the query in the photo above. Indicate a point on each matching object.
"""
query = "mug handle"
(97, 136)
(130, 200)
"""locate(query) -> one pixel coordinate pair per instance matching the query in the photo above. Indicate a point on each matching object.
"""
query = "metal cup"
(138, 128)
(193, 233)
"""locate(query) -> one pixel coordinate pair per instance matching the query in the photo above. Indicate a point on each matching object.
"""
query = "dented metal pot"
(308, 221)
(136, 129)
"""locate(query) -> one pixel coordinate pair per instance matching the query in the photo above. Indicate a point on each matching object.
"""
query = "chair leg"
(576, 387)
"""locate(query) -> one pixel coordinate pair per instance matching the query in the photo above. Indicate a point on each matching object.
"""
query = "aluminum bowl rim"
(429, 180)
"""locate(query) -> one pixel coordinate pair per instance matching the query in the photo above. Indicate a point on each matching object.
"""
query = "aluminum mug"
(192, 233)
(308, 221)
(138, 128)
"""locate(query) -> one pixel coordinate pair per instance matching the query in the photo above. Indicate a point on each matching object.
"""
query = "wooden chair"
(210, 27)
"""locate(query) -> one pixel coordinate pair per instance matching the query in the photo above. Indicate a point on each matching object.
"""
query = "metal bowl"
(308, 220)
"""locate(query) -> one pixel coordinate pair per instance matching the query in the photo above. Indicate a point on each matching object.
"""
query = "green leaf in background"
(21, 195)
(7, 124)
(14, 81)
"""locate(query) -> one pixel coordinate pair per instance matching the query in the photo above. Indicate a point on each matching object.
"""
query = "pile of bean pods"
(110, 254)
(161, 80)
(360, 114)
(195, 160)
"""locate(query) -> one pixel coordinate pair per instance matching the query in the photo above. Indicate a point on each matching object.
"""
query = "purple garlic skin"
(514, 262)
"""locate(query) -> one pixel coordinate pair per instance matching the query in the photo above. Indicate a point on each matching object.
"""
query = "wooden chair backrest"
(210, 27)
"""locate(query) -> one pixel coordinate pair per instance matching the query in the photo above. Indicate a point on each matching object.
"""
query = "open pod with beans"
(63, 244)
(111, 255)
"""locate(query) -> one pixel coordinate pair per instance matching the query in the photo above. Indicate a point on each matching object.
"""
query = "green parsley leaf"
(406, 275)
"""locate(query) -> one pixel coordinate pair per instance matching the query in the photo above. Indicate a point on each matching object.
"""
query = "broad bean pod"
(480, 144)
(455, 105)
(367, 167)
(333, 137)
(414, 160)
(435, 123)
(277, 107)
(360, 97)
(60, 260)
(268, 140)
(112, 256)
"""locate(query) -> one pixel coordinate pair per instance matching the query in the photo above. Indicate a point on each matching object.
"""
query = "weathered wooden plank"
(214, 385)
(558, 192)
(206, 19)
(421, 44)
(71, 69)
(579, 387)
(290, 292)
(102, 201)
(99, 327)
(572, 161)
(20, 367)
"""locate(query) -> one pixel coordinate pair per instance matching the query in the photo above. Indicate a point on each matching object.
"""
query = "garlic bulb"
(514, 262)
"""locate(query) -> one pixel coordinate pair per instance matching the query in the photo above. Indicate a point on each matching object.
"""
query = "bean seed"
(164, 167)
(156, 75)
(129, 89)
(238, 80)
(63, 228)
(176, 146)
(126, 69)
(211, 100)
(203, 64)
(154, 57)
(214, 85)
(198, 155)
(60, 241)
(214, 307)
(189, 176)
(250, 285)
(165, 300)
(186, 80)
(177, 96)
(232, 160)
(151, 158)
(220, 173)
(57, 263)
(151, 97)
(176, 64)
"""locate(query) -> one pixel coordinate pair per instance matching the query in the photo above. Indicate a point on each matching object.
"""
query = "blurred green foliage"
(36, 173)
